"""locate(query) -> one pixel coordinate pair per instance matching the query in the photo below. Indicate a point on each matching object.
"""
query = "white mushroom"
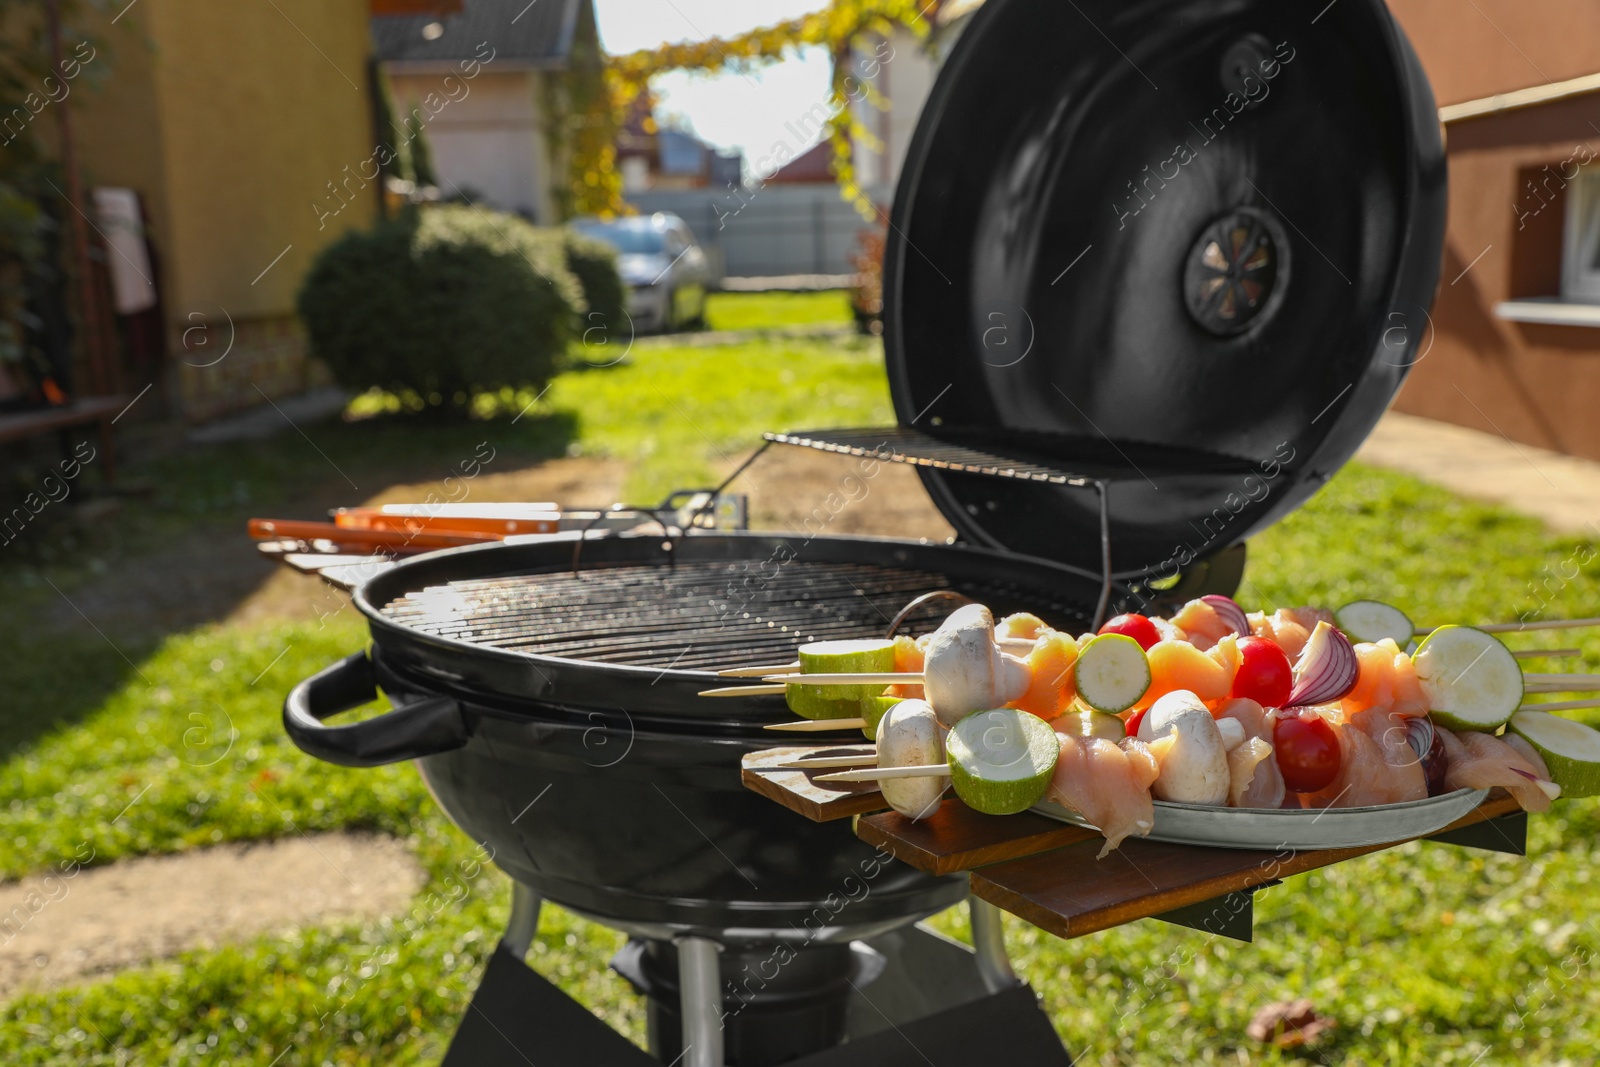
(1191, 749)
(909, 735)
(964, 670)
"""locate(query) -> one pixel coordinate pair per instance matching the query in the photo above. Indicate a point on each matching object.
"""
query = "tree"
(840, 28)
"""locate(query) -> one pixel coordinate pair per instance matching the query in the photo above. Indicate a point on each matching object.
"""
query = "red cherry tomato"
(1131, 726)
(1137, 627)
(1264, 673)
(1307, 749)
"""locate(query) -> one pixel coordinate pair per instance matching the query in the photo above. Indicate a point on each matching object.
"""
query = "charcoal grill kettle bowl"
(637, 813)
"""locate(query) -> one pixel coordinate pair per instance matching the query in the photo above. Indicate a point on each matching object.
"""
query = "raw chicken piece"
(1386, 726)
(1243, 764)
(1146, 767)
(1365, 775)
(1483, 761)
(1519, 744)
(1168, 630)
(1022, 625)
(1051, 690)
(1100, 781)
(908, 658)
(1265, 788)
(1178, 665)
(1201, 623)
(1387, 677)
(1290, 628)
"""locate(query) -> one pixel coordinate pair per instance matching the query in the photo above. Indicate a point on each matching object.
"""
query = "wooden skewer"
(1517, 627)
(1565, 683)
(757, 672)
(864, 678)
(876, 774)
(1561, 705)
(865, 759)
(807, 726)
(743, 691)
(1547, 653)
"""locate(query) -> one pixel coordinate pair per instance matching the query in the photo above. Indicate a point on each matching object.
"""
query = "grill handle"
(423, 728)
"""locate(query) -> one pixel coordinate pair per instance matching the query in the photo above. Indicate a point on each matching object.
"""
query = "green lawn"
(1425, 955)
(756, 311)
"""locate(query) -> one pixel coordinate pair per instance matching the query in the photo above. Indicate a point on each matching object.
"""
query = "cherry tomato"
(1137, 627)
(1264, 673)
(1307, 749)
(1131, 726)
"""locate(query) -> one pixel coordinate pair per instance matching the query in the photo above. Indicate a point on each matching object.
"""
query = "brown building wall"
(1533, 383)
(1476, 48)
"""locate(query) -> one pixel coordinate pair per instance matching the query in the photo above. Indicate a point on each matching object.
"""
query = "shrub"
(595, 264)
(443, 303)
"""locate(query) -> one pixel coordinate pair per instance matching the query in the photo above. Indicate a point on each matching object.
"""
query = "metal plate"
(1300, 829)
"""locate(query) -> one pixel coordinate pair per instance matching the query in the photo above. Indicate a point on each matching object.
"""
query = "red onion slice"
(1229, 612)
(1429, 747)
(1327, 670)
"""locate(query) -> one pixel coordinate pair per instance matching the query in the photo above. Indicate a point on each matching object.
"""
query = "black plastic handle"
(423, 728)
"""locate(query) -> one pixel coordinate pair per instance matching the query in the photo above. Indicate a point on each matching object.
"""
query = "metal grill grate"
(698, 615)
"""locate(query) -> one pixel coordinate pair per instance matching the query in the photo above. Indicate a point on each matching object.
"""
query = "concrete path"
(66, 928)
(1562, 490)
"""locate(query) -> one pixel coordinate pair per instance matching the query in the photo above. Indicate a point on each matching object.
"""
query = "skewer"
(1561, 705)
(877, 774)
(1544, 653)
(1517, 627)
(757, 672)
(864, 759)
(743, 691)
(1562, 683)
(864, 678)
(807, 726)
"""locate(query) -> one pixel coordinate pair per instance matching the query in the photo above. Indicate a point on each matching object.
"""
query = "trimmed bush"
(443, 303)
(595, 264)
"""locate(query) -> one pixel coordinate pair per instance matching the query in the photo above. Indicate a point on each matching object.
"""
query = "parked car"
(663, 266)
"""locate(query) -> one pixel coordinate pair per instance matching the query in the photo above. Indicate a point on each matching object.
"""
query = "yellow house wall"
(232, 118)
(261, 105)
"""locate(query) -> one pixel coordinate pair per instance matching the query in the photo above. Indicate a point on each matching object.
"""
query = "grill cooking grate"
(697, 616)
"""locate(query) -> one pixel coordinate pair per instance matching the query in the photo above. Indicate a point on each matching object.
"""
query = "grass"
(1425, 954)
(764, 311)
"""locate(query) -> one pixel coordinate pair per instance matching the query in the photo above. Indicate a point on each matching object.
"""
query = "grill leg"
(989, 942)
(700, 993)
(524, 924)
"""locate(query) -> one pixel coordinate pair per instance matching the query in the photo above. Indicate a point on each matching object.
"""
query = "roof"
(520, 33)
(1521, 98)
(815, 164)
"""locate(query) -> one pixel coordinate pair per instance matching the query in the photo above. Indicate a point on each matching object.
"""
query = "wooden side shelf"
(1068, 892)
(1047, 872)
(799, 792)
(955, 838)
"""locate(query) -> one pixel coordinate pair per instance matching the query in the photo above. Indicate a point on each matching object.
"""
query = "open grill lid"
(1182, 250)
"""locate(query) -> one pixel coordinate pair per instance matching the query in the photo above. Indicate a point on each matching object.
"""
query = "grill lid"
(1182, 248)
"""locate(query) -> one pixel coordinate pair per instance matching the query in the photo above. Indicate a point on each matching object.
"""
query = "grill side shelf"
(796, 790)
(1045, 871)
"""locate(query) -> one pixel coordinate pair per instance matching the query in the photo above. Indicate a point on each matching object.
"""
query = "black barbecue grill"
(1180, 362)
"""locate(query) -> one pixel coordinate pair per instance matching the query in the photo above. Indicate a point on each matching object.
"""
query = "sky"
(730, 110)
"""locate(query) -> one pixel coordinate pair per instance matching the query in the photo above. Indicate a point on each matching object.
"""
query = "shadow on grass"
(81, 612)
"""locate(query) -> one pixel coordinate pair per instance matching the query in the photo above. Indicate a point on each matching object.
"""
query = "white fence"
(770, 231)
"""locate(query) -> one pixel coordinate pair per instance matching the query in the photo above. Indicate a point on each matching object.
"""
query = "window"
(1580, 245)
